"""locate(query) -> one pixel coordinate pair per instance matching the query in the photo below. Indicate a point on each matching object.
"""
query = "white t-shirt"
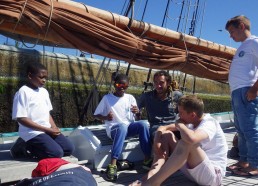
(215, 146)
(33, 104)
(119, 106)
(244, 67)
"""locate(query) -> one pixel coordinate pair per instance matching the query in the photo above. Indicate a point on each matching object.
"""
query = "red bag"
(47, 166)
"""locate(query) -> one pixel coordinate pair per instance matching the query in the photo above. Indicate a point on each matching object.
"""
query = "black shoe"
(124, 165)
(147, 164)
(111, 173)
(18, 150)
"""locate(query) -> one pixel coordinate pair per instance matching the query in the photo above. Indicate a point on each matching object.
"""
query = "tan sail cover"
(62, 23)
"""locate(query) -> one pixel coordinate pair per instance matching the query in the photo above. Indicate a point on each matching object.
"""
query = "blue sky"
(215, 14)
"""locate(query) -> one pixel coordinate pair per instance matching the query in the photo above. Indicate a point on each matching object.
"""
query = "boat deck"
(127, 177)
(178, 179)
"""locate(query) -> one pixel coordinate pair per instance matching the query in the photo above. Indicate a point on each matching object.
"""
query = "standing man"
(118, 110)
(243, 75)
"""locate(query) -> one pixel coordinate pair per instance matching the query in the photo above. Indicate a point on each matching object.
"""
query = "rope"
(27, 45)
(2, 20)
(50, 18)
(166, 12)
(86, 8)
(20, 15)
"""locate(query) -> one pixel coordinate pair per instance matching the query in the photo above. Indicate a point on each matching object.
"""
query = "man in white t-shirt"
(118, 110)
(201, 153)
(243, 82)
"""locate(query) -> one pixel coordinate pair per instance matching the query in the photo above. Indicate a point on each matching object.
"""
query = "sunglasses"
(121, 85)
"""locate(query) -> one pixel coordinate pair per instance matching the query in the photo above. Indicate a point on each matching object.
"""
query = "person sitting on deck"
(160, 105)
(31, 109)
(201, 153)
(54, 171)
(119, 109)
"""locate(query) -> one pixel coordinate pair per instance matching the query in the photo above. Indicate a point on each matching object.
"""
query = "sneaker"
(147, 164)
(111, 173)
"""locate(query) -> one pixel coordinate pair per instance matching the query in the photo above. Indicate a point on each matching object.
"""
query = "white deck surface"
(178, 179)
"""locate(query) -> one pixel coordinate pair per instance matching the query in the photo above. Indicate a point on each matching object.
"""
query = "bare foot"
(237, 166)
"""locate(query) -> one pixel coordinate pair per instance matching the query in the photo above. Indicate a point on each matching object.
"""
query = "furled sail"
(74, 25)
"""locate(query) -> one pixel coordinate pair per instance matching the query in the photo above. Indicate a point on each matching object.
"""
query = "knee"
(122, 128)
(143, 124)
(70, 149)
(119, 129)
(58, 153)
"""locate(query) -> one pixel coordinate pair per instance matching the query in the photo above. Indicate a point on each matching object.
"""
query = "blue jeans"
(45, 146)
(246, 123)
(120, 131)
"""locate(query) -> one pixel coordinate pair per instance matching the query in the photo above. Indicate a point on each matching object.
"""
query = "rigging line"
(98, 74)
(50, 18)
(186, 49)
(202, 19)
(104, 74)
(123, 8)
(2, 20)
(191, 32)
(86, 8)
(25, 3)
(144, 10)
(23, 43)
(194, 19)
(143, 14)
(166, 13)
(180, 16)
(132, 13)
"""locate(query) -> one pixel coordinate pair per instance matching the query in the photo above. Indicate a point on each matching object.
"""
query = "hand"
(136, 183)
(134, 109)
(54, 131)
(251, 94)
(110, 116)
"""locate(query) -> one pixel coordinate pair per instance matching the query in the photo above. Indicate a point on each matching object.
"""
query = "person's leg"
(162, 150)
(237, 105)
(118, 135)
(65, 144)
(247, 120)
(193, 155)
(204, 174)
(141, 128)
(43, 146)
(248, 125)
(153, 129)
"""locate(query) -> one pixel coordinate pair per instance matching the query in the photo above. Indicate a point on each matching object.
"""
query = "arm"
(108, 117)
(171, 127)
(31, 124)
(252, 92)
(191, 136)
(56, 130)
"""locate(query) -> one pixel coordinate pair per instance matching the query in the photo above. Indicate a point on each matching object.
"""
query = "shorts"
(204, 174)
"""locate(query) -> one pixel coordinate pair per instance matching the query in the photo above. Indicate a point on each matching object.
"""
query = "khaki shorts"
(204, 174)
